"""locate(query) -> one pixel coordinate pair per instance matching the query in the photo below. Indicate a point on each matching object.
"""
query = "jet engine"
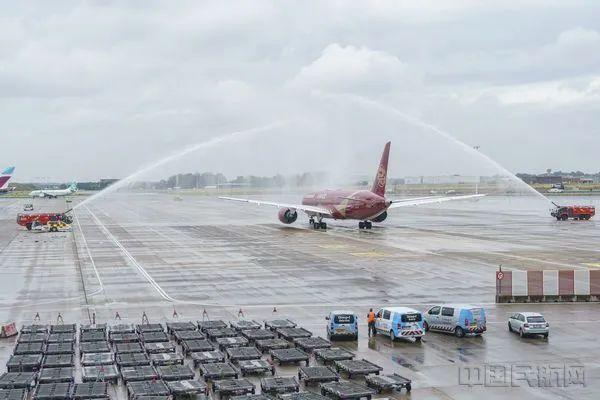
(381, 217)
(287, 216)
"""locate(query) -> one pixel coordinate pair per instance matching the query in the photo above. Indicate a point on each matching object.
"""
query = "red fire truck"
(27, 220)
(563, 213)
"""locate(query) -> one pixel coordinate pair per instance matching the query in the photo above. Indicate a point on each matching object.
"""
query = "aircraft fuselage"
(359, 205)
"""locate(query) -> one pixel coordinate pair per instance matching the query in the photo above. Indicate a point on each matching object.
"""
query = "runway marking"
(91, 259)
(127, 254)
(370, 254)
(333, 246)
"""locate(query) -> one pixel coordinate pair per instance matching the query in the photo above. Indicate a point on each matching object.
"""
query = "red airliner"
(366, 206)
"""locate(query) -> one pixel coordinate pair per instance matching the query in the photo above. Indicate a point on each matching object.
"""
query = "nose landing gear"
(365, 225)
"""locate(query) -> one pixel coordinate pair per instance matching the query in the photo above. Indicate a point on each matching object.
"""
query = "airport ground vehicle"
(55, 226)
(27, 220)
(563, 213)
(36, 226)
(400, 322)
(459, 319)
(342, 324)
(28, 207)
(528, 323)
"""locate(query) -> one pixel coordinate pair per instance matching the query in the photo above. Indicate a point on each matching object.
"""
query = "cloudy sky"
(100, 88)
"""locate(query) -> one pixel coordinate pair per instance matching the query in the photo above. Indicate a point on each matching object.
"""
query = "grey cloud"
(135, 81)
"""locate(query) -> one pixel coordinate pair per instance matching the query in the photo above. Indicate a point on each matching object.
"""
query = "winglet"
(381, 176)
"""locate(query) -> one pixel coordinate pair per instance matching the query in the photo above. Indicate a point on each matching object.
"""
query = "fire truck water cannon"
(563, 213)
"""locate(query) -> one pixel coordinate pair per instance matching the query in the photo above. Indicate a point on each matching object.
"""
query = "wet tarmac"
(156, 254)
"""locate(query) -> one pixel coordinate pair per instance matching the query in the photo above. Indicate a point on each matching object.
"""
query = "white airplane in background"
(54, 193)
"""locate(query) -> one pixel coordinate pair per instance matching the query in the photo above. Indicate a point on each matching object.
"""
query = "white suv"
(528, 323)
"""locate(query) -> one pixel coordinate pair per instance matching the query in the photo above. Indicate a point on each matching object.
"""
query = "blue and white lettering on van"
(342, 324)
(460, 319)
(400, 322)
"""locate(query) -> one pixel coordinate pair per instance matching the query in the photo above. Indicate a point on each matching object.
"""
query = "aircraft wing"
(310, 209)
(430, 200)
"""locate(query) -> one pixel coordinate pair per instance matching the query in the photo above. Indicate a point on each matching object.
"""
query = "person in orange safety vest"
(371, 321)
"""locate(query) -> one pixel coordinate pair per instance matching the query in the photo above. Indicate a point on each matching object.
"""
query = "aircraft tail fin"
(381, 176)
(73, 187)
(5, 176)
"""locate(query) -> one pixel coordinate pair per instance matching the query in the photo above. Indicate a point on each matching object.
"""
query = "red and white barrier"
(558, 285)
(8, 330)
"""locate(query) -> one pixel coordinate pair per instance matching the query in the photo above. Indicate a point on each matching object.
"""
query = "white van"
(460, 319)
(400, 322)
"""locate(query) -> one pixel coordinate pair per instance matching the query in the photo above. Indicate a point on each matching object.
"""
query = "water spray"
(190, 149)
(432, 128)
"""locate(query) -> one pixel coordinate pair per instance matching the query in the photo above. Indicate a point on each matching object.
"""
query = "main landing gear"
(365, 225)
(317, 224)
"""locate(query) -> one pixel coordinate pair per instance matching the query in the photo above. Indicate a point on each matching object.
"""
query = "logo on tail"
(8, 171)
(381, 176)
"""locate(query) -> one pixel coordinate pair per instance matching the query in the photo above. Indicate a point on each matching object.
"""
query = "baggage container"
(289, 356)
(214, 324)
(18, 380)
(159, 347)
(346, 390)
(175, 373)
(217, 371)
(60, 348)
(207, 357)
(58, 360)
(279, 324)
(317, 374)
(89, 359)
(100, 373)
(24, 363)
(279, 385)
(94, 347)
(141, 373)
(144, 389)
(188, 389)
(229, 387)
(52, 375)
(13, 394)
(132, 360)
(357, 367)
(53, 391)
(90, 390)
